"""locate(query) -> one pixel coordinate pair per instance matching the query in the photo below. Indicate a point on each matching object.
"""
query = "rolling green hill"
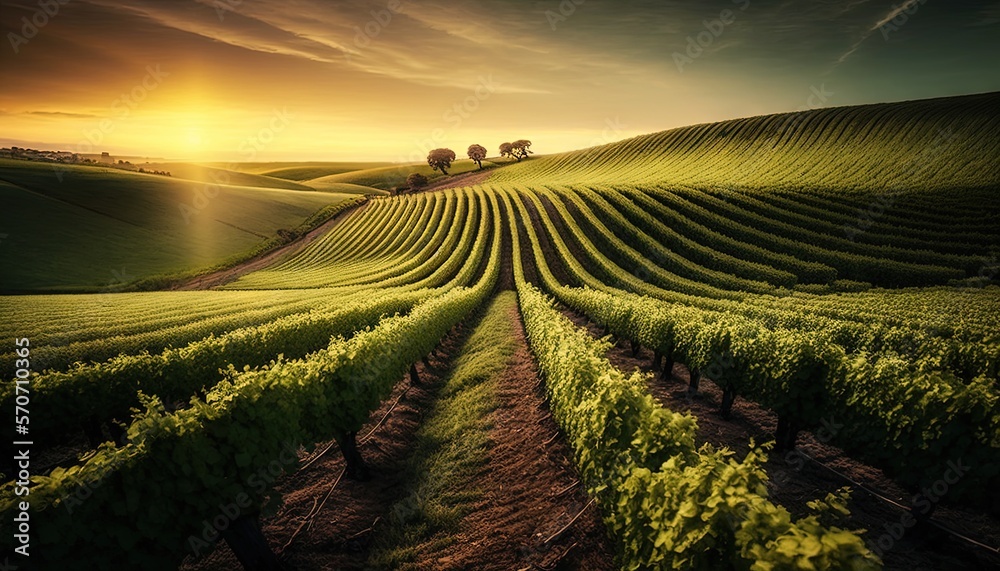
(388, 177)
(345, 188)
(218, 175)
(951, 142)
(299, 171)
(102, 226)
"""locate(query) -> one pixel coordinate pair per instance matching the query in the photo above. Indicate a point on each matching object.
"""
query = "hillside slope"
(302, 170)
(389, 177)
(951, 142)
(221, 175)
(101, 227)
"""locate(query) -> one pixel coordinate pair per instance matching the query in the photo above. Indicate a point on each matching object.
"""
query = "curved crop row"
(211, 453)
(668, 503)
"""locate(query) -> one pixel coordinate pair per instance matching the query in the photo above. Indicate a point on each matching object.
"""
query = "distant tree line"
(441, 159)
(66, 157)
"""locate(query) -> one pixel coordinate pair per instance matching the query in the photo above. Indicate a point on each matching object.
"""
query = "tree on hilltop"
(477, 153)
(440, 159)
(506, 150)
(416, 180)
(520, 149)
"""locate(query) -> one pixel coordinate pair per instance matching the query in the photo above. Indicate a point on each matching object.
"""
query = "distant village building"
(21, 153)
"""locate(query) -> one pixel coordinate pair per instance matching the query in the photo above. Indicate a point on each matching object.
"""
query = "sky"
(388, 80)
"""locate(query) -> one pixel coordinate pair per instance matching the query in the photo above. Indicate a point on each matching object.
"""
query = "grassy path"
(490, 479)
(468, 472)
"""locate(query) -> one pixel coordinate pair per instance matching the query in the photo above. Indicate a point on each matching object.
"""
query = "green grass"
(214, 174)
(345, 188)
(102, 226)
(302, 170)
(389, 177)
(452, 445)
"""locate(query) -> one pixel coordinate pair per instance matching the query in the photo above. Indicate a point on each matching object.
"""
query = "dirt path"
(506, 281)
(532, 490)
(227, 275)
(339, 536)
(470, 178)
(796, 480)
(530, 484)
(552, 259)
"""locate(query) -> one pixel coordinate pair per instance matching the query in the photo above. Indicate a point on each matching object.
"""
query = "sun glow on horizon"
(173, 80)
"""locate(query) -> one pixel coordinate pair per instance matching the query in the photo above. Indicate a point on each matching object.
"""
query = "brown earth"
(226, 275)
(340, 532)
(530, 484)
(470, 178)
(795, 480)
(532, 490)
(529, 477)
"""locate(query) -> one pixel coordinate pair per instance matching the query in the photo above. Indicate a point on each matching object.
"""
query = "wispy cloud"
(894, 13)
(885, 19)
(451, 43)
(61, 114)
(989, 16)
(368, 76)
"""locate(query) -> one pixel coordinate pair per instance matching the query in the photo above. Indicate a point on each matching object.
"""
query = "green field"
(837, 267)
(228, 176)
(389, 177)
(300, 171)
(123, 223)
(930, 144)
(100, 227)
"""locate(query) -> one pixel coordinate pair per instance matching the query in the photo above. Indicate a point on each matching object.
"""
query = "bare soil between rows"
(531, 490)
(795, 480)
(529, 487)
